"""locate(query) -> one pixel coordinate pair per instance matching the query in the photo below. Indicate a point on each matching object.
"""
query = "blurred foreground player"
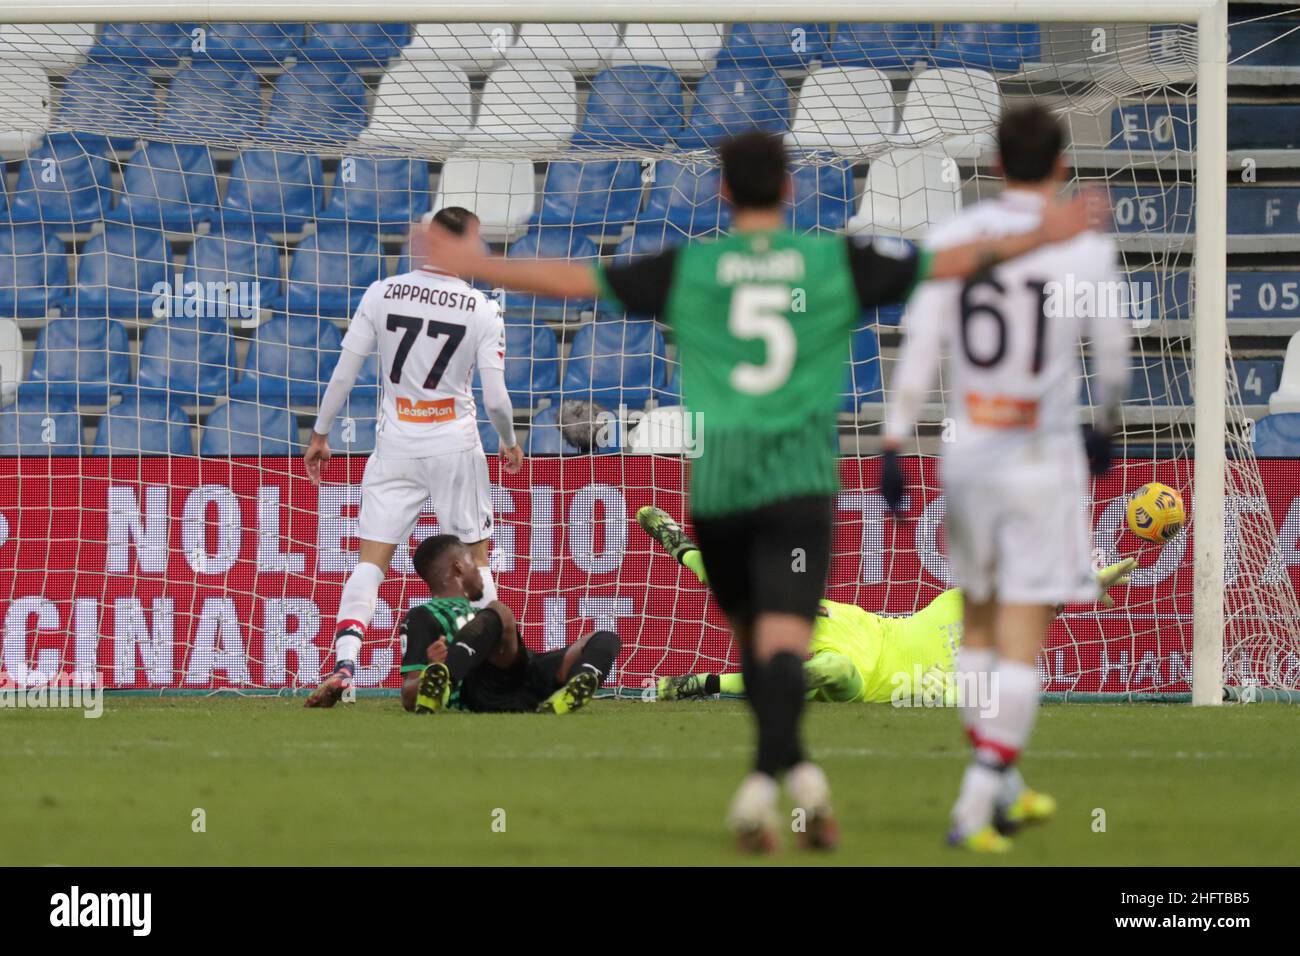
(763, 317)
(1015, 474)
(861, 657)
(457, 655)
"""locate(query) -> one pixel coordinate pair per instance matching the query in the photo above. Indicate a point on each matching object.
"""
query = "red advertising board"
(208, 573)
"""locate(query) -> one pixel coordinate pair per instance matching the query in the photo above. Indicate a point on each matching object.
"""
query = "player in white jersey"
(432, 330)
(1015, 473)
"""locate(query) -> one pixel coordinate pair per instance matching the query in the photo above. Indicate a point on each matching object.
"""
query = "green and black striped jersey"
(422, 626)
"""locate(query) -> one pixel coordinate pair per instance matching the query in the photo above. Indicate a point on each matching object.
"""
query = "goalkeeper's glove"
(892, 484)
(1096, 443)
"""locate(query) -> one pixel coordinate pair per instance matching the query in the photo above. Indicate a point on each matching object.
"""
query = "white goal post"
(1210, 17)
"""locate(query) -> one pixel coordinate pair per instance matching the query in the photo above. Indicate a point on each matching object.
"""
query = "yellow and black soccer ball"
(1156, 513)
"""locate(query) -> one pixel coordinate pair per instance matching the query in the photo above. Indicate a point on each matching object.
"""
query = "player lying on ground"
(856, 656)
(457, 655)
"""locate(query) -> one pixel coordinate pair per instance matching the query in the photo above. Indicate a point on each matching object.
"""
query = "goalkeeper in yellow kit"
(857, 656)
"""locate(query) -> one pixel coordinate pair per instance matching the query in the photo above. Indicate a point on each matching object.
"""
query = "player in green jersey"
(455, 655)
(762, 319)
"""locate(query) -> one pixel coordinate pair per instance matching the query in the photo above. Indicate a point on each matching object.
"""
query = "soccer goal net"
(191, 211)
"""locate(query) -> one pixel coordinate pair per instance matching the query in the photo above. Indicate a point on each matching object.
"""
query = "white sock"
(1002, 731)
(1005, 731)
(972, 666)
(357, 603)
(974, 807)
(489, 587)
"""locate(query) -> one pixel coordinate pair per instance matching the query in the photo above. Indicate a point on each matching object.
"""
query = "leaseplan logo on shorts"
(78, 909)
(432, 411)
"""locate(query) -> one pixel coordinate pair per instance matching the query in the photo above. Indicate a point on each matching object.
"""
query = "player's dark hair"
(430, 553)
(1030, 140)
(754, 167)
(454, 219)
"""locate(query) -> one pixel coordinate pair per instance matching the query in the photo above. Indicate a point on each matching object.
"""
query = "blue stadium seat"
(275, 189)
(187, 357)
(289, 361)
(632, 106)
(147, 425)
(1276, 436)
(330, 271)
(67, 181)
(782, 46)
(556, 242)
(238, 271)
(33, 271)
(377, 193)
(544, 436)
(155, 44)
(167, 186)
(317, 104)
(862, 381)
(823, 193)
(671, 392)
(119, 271)
(734, 99)
(113, 99)
(1257, 379)
(81, 358)
(366, 43)
(242, 428)
(987, 46)
(886, 46)
(254, 43)
(40, 425)
(686, 195)
(213, 103)
(532, 365)
(613, 361)
(590, 195)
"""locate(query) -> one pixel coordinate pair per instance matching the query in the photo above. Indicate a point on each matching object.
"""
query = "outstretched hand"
(1064, 219)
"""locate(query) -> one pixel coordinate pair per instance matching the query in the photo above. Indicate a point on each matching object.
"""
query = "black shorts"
(771, 560)
(518, 688)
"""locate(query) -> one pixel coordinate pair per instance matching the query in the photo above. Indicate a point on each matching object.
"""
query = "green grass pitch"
(625, 782)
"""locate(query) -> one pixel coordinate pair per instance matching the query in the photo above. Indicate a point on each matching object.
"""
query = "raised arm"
(1062, 219)
(558, 278)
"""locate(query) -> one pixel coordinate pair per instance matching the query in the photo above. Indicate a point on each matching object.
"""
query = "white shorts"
(1020, 534)
(394, 490)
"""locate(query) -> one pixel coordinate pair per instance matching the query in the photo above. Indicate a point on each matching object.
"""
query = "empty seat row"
(578, 45)
(529, 106)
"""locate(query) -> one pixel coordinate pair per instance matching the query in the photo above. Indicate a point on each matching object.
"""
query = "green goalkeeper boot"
(669, 535)
(680, 688)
